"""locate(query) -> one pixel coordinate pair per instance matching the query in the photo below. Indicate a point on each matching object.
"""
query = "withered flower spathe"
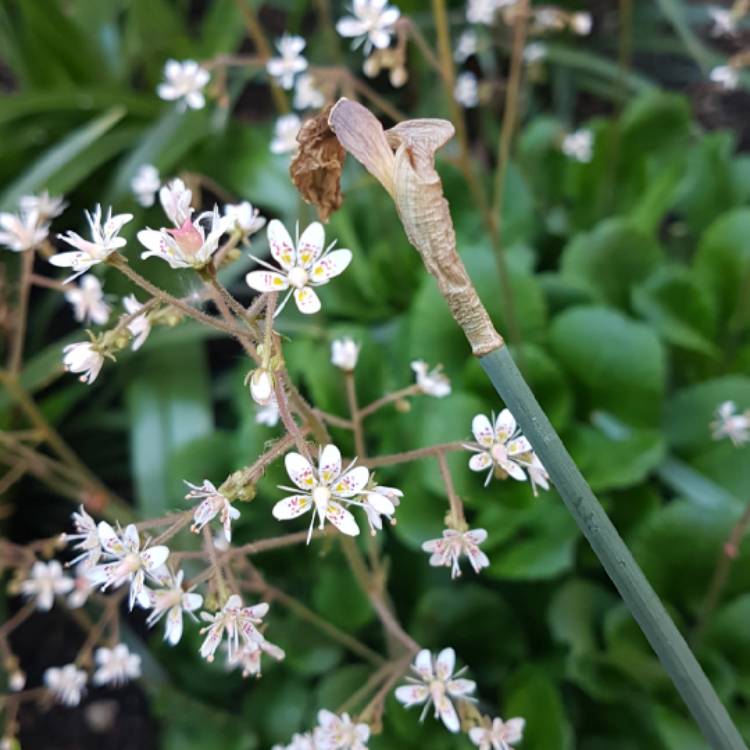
(402, 159)
(316, 168)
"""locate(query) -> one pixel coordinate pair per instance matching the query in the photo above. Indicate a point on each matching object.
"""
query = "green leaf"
(619, 364)
(610, 259)
(678, 732)
(167, 411)
(59, 158)
(339, 599)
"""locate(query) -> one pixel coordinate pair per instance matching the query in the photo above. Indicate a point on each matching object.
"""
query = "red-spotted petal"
(519, 446)
(480, 461)
(291, 507)
(412, 695)
(332, 265)
(352, 483)
(482, 429)
(341, 518)
(310, 244)
(109, 540)
(282, 247)
(329, 465)
(445, 663)
(505, 425)
(423, 664)
(307, 301)
(300, 470)
(153, 557)
(266, 281)
(448, 714)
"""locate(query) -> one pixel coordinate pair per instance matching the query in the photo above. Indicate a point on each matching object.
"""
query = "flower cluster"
(334, 732)
(29, 227)
(731, 424)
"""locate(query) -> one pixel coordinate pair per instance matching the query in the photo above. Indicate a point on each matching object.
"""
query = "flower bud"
(261, 386)
(344, 354)
(17, 680)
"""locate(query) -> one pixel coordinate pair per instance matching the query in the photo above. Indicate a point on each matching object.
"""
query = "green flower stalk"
(402, 159)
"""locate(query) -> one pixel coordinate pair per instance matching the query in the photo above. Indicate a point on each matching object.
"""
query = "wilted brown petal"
(316, 169)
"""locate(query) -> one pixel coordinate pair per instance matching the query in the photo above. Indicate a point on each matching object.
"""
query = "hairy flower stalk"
(402, 160)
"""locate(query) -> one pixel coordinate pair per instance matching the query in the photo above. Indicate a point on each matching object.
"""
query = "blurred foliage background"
(631, 283)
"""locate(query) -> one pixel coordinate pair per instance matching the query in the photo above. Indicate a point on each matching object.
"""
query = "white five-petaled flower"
(171, 601)
(67, 684)
(501, 735)
(175, 198)
(306, 94)
(502, 449)
(116, 666)
(268, 414)
(45, 582)
(579, 145)
(85, 358)
(140, 326)
(466, 90)
(372, 22)
(730, 423)
(237, 622)
(285, 132)
(189, 245)
(466, 46)
(145, 184)
(184, 81)
(304, 266)
(87, 538)
(448, 550)
(344, 353)
(726, 76)
(432, 382)
(436, 684)
(245, 218)
(336, 732)
(724, 21)
(290, 60)
(104, 241)
(212, 504)
(381, 501)
(44, 205)
(22, 231)
(88, 301)
(131, 563)
(323, 490)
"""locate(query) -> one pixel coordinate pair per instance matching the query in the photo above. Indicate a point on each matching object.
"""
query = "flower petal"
(266, 281)
(282, 247)
(353, 482)
(460, 687)
(307, 301)
(412, 695)
(300, 470)
(445, 664)
(341, 518)
(153, 557)
(109, 540)
(505, 425)
(329, 464)
(291, 507)
(423, 664)
(482, 430)
(331, 265)
(310, 244)
(480, 461)
(173, 628)
(448, 714)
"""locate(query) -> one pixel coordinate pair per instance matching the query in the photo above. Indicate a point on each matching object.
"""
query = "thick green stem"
(635, 590)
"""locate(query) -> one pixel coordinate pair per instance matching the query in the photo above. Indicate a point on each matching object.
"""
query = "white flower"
(499, 736)
(104, 241)
(45, 582)
(579, 145)
(537, 474)
(247, 658)
(501, 448)
(466, 46)
(116, 666)
(175, 198)
(82, 587)
(171, 601)
(466, 91)
(447, 551)
(304, 267)
(185, 82)
(483, 11)
(285, 131)
(84, 358)
(731, 424)
(344, 353)
(726, 76)
(244, 217)
(88, 301)
(306, 94)
(534, 52)
(432, 382)
(145, 184)
(724, 21)
(236, 621)
(581, 23)
(382, 501)
(87, 536)
(261, 386)
(268, 414)
(212, 504)
(290, 62)
(340, 733)
(372, 23)
(131, 563)
(17, 680)
(188, 246)
(436, 684)
(140, 326)
(43, 205)
(299, 742)
(323, 490)
(66, 683)
(19, 232)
